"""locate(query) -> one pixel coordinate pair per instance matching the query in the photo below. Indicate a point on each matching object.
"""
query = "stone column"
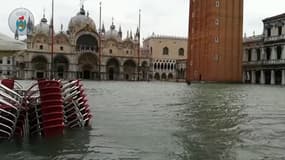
(283, 77)
(283, 52)
(245, 55)
(262, 77)
(244, 77)
(253, 77)
(272, 80)
(262, 56)
(254, 55)
(273, 53)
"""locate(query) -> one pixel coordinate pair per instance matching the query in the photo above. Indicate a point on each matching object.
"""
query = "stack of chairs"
(76, 108)
(44, 109)
(45, 114)
(12, 116)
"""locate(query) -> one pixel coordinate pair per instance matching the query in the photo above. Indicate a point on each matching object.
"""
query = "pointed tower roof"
(103, 28)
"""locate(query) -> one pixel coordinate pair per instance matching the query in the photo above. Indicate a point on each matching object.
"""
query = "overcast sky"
(163, 17)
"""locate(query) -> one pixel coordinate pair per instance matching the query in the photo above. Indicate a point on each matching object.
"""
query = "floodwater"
(169, 121)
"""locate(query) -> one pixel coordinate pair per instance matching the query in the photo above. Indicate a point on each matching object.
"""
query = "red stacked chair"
(77, 112)
(51, 108)
(9, 83)
(10, 111)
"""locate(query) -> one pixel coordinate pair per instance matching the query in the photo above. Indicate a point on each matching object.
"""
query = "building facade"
(215, 40)
(169, 56)
(82, 52)
(264, 55)
(8, 48)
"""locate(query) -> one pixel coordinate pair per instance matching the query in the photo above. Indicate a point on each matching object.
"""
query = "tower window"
(217, 40)
(41, 47)
(217, 3)
(217, 22)
(61, 48)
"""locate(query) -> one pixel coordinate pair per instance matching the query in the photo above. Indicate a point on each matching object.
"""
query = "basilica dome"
(80, 21)
(113, 33)
(43, 27)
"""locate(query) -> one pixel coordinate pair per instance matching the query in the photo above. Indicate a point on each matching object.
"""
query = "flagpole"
(52, 40)
(100, 39)
(139, 39)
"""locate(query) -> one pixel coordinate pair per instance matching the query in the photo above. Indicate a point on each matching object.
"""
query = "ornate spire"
(137, 33)
(17, 34)
(61, 28)
(131, 35)
(120, 32)
(30, 26)
(112, 27)
(82, 10)
(44, 20)
(103, 28)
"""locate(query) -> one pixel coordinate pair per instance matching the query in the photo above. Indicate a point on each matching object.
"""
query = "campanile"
(215, 40)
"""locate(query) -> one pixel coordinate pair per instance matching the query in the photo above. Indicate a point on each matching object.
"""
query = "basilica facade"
(82, 52)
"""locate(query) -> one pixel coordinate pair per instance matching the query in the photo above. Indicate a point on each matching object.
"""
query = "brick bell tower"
(215, 40)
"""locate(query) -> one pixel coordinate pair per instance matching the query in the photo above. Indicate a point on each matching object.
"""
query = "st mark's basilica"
(82, 52)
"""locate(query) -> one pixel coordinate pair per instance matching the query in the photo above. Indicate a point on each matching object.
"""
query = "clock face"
(19, 21)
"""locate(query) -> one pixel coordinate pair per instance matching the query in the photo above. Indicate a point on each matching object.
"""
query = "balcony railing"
(266, 62)
(274, 38)
(86, 49)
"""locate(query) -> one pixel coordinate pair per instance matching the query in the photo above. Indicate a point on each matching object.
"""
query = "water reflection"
(73, 145)
(210, 123)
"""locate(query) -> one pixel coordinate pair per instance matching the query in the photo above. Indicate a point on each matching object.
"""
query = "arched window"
(165, 51)
(154, 65)
(158, 66)
(110, 51)
(181, 52)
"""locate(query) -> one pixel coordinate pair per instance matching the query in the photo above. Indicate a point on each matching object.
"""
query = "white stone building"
(264, 55)
(9, 47)
(169, 55)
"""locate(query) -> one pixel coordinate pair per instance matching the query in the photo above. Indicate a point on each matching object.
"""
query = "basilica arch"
(113, 69)
(87, 42)
(88, 66)
(157, 76)
(129, 70)
(40, 66)
(61, 66)
(144, 70)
